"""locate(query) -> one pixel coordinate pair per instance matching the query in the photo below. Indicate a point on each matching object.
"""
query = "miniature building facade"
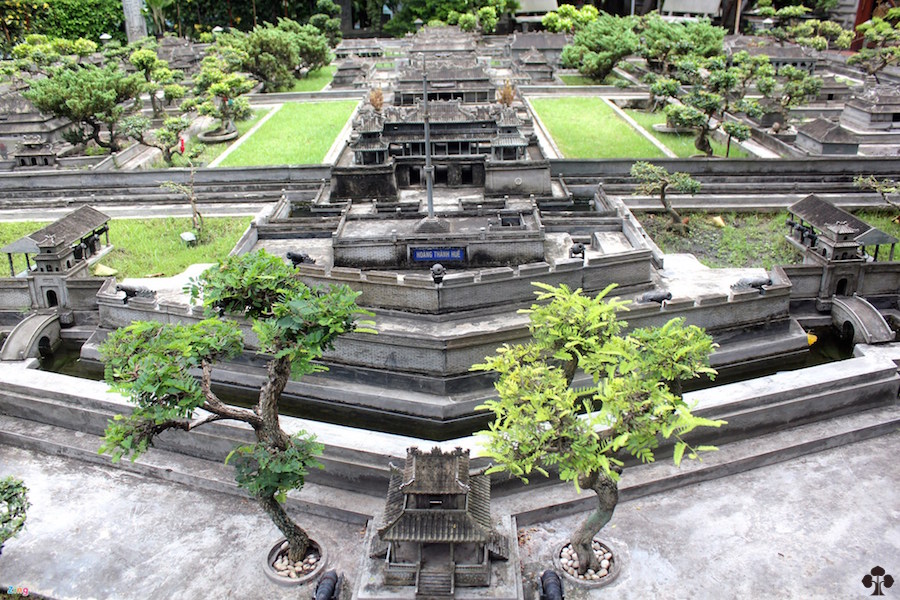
(875, 108)
(437, 524)
(823, 137)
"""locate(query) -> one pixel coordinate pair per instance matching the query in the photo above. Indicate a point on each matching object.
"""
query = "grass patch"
(885, 222)
(747, 240)
(12, 231)
(385, 66)
(315, 80)
(300, 133)
(588, 128)
(211, 152)
(611, 79)
(680, 144)
(149, 246)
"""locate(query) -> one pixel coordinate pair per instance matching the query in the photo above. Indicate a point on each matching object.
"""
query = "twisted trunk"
(675, 221)
(298, 539)
(702, 142)
(607, 491)
(278, 372)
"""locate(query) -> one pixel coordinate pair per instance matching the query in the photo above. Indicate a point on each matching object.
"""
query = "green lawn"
(588, 128)
(680, 144)
(747, 240)
(212, 151)
(9, 233)
(300, 133)
(611, 79)
(315, 80)
(149, 246)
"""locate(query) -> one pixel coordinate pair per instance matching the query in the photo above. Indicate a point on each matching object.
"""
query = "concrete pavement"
(808, 528)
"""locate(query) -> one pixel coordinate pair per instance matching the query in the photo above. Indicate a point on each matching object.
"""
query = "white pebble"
(285, 545)
(608, 556)
(603, 573)
(604, 564)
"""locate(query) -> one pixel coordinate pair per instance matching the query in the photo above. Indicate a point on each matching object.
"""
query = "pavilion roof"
(70, 228)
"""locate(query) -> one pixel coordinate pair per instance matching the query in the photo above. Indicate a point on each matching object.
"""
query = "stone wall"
(14, 294)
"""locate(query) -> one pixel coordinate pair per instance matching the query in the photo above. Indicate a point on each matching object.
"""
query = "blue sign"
(438, 254)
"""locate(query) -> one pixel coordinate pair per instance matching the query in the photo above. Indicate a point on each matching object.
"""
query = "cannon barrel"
(655, 296)
(551, 586)
(328, 587)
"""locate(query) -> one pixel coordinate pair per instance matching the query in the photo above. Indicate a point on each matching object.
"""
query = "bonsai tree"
(633, 402)
(715, 89)
(157, 77)
(664, 42)
(376, 98)
(881, 43)
(187, 190)
(885, 187)
(164, 138)
(13, 506)
(569, 19)
(153, 364)
(328, 19)
(506, 95)
(598, 48)
(656, 181)
(220, 93)
(93, 98)
(792, 87)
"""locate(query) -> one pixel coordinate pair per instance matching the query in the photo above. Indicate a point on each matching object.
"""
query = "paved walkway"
(809, 528)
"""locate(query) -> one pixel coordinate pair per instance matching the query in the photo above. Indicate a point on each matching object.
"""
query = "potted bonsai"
(634, 401)
(153, 364)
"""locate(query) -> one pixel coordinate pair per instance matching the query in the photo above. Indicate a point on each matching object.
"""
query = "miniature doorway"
(52, 299)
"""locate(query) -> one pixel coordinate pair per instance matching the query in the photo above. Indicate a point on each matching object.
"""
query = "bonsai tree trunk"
(607, 492)
(269, 432)
(676, 223)
(298, 539)
(702, 142)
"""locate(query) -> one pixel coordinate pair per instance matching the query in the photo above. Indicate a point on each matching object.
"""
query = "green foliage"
(453, 17)
(566, 18)
(653, 180)
(69, 19)
(219, 92)
(163, 138)
(272, 56)
(599, 47)
(538, 425)
(13, 507)
(468, 22)
(882, 45)
(487, 18)
(264, 471)
(87, 95)
(158, 13)
(151, 363)
(289, 318)
(664, 42)
(157, 77)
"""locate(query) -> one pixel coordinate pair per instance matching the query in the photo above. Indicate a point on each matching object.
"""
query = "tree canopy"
(542, 424)
(153, 364)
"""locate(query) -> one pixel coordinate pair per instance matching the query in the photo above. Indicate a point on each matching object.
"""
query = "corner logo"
(879, 579)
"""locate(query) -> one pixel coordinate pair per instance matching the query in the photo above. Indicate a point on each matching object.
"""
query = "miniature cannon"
(550, 586)
(135, 291)
(576, 250)
(329, 587)
(300, 258)
(655, 296)
(437, 272)
(752, 282)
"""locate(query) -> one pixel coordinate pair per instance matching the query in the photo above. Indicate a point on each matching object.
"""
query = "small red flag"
(181, 146)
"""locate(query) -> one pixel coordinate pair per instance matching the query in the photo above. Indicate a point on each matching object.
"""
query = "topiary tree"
(599, 47)
(664, 42)
(654, 180)
(468, 22)
(328, 19)
(92, 97)
(13, 506)
(541, 423)
(153, 364)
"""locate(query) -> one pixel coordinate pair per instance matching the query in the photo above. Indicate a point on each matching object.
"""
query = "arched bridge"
(36, 331)
(867, 324)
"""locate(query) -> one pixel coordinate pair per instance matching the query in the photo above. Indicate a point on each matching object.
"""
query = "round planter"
(216, 138)
(276, 553)
(615, 567)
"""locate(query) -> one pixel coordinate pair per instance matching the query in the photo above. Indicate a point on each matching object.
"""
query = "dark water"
(828, 348)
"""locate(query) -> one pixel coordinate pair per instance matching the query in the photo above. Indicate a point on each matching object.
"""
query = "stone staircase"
(434, 585)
